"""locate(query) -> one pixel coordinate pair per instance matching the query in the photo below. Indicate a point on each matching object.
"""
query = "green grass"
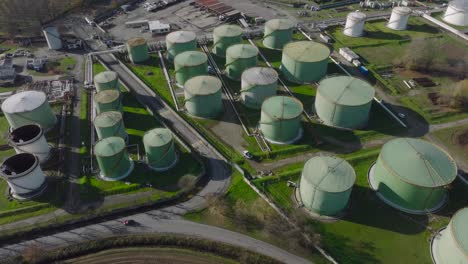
(66, 64)
(432, 115)
(449, 136)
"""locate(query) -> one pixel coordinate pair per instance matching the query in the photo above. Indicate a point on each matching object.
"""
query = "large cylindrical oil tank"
(457, 13)
(354, 26)
(137, 50)
(225, 36)
(160, 149)
(280, 120)
(110, 124)
(278, 32)
(108, 100)
(239, 58)
(180, 41)
(54, 42)
(29, 107)
(410, 175)
(112, 158)
(107, 80)
(30, 139)
(450, 245)
(24, 175)
(190, 64)
(305, 61)
(344, 102)
(258, 84)
(203, 96)
(326, 184)
(399, 18)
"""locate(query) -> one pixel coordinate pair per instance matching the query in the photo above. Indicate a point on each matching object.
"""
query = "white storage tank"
(399, 18)
(354, 26)
(52, 37)
(457, 13)
(30, 139)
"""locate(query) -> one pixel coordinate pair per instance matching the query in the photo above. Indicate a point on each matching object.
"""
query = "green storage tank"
(410, 175)
(107, 100)
(110, 124)
(180, 41)
(29, 107)
(344, 101)
(107, 80)
(258, 84)
(280, 120)
(137, 50)
(450, 245)
(225, 36)
(278, 32)
(239, 58)
(203, 96)
(190, 64)
(326, 184)
(112, 158)
(305, 61)
(160, 149)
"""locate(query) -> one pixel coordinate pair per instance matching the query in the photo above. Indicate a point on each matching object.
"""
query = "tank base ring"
(172, 165)
(434, 244)
(316, 216)
(30, 195)
(299, 136)
(123, 176)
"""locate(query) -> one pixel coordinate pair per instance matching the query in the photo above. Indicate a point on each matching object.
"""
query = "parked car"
(247, 154)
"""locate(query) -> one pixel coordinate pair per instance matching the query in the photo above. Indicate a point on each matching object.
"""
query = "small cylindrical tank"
(239, 58)
(457, 13)
(137, 50)
(29, 107)
(203, 96)
(305, 61)
(53, 38)
(278, 32)
(225, 36)
(107, 80)
(110, 124)
(108, 100)
(258, 84)
(24, 175)
(354, 26)
(280, 120)
(399, 18)
(326, 184)
(450, 245)
(112, 158)
(160, 149)
(190, 64)
(180, 41)
(30, 139)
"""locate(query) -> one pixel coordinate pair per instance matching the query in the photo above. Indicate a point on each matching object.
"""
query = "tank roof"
(109, 147)
(203, 85)
(108, 119)
(403, 10)
(282, 107)
(459, 4)
(107, 96)
(279, 24)
(306, 51)
(136, 41)
(105, 77)
(329, 174)
(190, 58)
(346, 90)
(23, 102)
(459, 229)
(241, 51)
(181, 36)
(228, 31)
(260, 76)
(418, 162)
(157, 137)
(356, 15)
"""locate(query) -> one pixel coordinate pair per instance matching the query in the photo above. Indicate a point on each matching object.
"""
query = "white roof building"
(157, 27)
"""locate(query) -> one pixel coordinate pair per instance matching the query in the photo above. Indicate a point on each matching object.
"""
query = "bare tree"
(422, 54)
(455, 95)
(32, 253)
(187, 182)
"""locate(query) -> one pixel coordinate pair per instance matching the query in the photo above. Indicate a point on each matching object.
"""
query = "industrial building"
(110, 124)
(108, 100)
(258, 84)
(189, 64)
(278, 32)
(52, 36)
(280, 119)
(203, 96)
(160, 149)
(354, 26)
(457, 13)
(30, 139)
(180, 41)
(399, 18)
(326, 184)
(411, 175)
(344, 102)
(137, 50)
(112, 158)
(239, 58)
(157, 27)
(107, 80)
(305, 61)
(7, 73)
(225, 36)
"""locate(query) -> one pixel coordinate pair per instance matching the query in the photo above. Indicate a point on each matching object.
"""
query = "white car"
(247, 154)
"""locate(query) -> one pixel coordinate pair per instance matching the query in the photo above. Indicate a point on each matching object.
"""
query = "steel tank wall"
(456, 14)
(110, 124)
(225, 36)
(342, 116)
(53, 38)
(28, 176)
(113, 159)
(108, 100)
(107, 80)
(323, 203)
(449, 248)
(200, 103)
(239, 58)
(354, 26)
(30, 139)
(278, 32)
(190, 64)
(399, 18)
(160, 149)
(137, 50)
(258, 84)
(180, 41)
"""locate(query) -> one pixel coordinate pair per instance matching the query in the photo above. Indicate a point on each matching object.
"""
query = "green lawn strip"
(4, 126)
(66, 64)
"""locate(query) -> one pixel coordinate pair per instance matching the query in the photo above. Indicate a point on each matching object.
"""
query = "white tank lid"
(23, 102)
(356, 15)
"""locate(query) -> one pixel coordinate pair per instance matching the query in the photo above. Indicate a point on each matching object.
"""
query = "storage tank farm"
(29, 107)
(30, 139)
(399, 18)
(160, 149)
(344, 102)
(203, 96)
(180, 41)
(52, 36)
(304, 61)
(258, 84)
(110, 124)
(278, 32)
(23, 175)
(280, 119)
(457, 13)
(410, 175)
(107, 80)
(450, 245)
(108, 100)
(326, 184)
(112, 158)
(354, 26)
(225, 36)
(137, 50)
(189, 64)
(239, 58)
